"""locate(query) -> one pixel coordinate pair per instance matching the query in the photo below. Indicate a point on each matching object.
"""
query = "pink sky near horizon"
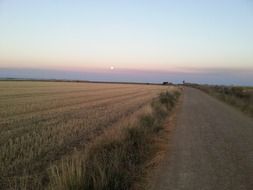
(103, 66)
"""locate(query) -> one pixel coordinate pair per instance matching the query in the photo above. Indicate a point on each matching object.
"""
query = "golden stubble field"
(42, 122)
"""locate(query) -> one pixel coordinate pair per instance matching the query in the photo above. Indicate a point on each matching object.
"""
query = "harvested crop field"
(42, 122)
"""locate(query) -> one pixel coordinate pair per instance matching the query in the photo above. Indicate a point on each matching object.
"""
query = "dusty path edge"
(154, 167)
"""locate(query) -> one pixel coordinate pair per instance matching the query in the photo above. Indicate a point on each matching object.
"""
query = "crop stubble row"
(60, 117)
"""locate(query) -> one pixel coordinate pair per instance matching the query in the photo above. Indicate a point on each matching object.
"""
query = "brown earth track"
(211, 147)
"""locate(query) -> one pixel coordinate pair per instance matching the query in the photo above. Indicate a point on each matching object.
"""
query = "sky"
(128, 40)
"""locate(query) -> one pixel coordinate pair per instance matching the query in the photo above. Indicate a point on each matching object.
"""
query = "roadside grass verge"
(239, 97)
(117, 160)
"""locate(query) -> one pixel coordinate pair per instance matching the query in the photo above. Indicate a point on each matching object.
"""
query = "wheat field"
(42, 122)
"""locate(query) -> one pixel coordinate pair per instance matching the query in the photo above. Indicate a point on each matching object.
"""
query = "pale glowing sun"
(111, 67)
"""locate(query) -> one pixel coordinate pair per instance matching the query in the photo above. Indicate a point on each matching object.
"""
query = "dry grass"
(118, 159)
(42, 123)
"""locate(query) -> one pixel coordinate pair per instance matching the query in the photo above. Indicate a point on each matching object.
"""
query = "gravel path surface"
(211, 147)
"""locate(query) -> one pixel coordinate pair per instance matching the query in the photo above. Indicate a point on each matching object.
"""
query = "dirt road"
(211, 147)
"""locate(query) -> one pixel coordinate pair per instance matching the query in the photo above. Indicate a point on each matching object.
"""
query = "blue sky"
(181, 38)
